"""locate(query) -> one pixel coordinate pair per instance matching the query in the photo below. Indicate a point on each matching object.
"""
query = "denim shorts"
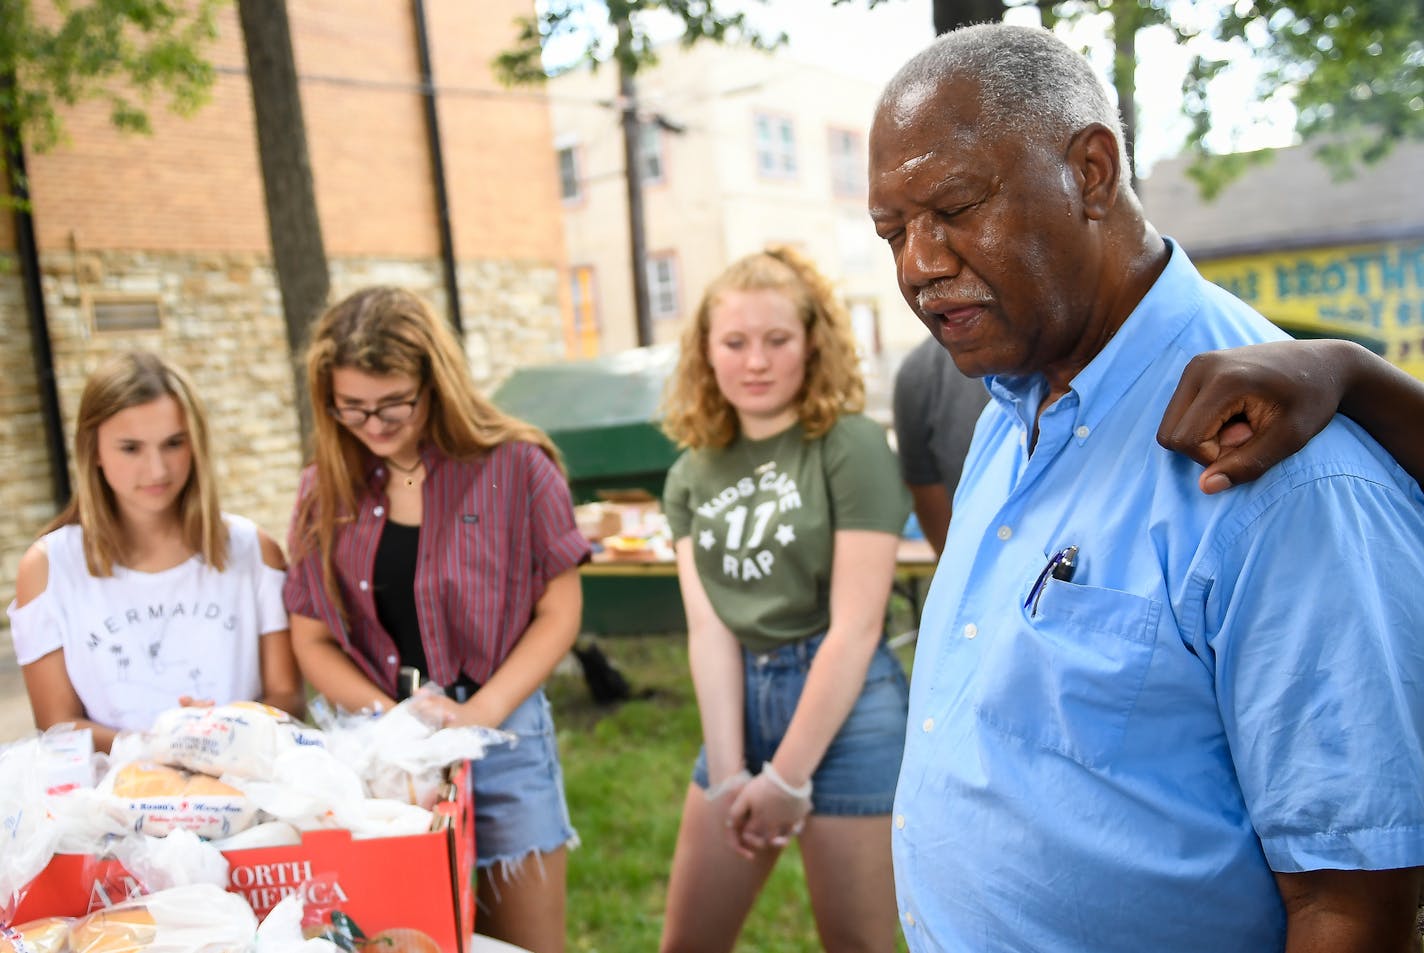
(858, 772)
(519, 791)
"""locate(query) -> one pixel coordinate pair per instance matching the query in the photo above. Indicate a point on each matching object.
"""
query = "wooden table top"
(913, 558)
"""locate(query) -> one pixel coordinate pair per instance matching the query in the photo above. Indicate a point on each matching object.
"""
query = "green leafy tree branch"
(124, 53)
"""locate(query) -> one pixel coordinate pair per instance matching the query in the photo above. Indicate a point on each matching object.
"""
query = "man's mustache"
(944, 289)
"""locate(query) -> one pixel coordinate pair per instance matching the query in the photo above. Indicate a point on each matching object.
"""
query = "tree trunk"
(950, 14)
(298, 252)
(1127, 19)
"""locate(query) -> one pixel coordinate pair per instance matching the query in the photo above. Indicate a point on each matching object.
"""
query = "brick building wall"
(177, 219)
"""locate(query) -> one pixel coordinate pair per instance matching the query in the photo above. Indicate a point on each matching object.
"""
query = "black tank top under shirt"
(393, 584)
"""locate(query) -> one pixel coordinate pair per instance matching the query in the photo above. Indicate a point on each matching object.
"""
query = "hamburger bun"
(125, 930)
(147, 779)
(37, 936)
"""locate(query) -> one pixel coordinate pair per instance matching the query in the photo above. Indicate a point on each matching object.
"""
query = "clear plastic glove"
(729, 784)
(440, 711)
(767, 813)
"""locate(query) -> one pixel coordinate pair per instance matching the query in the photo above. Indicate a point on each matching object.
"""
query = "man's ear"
(1093, 156)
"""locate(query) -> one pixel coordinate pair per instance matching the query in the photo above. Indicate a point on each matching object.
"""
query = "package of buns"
(154, 799)
(201, 918)
(242, 738)
(117, 930)
(403, 755)
(27, 835)
(49, 935)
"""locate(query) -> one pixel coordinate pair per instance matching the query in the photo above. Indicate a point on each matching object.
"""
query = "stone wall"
(222, 322)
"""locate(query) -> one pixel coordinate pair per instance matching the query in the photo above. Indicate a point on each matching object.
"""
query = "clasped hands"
(763, 811)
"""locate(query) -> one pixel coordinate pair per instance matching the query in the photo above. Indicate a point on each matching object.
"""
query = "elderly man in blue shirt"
(1142, 717)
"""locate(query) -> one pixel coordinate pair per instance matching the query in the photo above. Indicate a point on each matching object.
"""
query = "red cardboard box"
(419, 882)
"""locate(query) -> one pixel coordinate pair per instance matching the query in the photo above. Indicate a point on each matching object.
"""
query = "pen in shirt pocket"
(1061, 565)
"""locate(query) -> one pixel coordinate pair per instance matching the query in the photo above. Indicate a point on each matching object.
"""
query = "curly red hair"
(696, 414)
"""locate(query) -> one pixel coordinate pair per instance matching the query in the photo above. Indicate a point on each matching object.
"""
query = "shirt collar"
(378, 473)
(1169, 305)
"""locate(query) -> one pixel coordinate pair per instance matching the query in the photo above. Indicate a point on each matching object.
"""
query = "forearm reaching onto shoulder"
(1388, 403)
(1240, 411)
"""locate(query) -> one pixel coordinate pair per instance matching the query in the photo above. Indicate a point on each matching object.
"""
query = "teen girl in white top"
(142, 595)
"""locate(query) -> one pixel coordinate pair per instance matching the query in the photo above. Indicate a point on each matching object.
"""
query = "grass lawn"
(626, 769)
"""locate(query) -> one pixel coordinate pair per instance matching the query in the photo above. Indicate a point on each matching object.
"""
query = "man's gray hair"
(1031, 83)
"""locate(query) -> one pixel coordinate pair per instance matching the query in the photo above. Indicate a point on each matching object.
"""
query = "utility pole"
(637, 244)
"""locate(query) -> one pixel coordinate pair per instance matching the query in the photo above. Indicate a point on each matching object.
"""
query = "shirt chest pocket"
(1066, 678)
(468, 555)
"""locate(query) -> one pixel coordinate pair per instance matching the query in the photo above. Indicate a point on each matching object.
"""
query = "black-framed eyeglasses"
(396, 412)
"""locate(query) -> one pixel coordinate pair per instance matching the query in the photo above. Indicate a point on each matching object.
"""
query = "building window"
(568, 174)
(848, 172)
(775, 146)
(662, 285)
(650, 153)
(584, 332)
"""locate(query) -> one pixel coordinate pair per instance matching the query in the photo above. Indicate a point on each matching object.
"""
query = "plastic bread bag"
(28, 834)
(200, 918)
(401, 754)
(266, 834)
(240, 739)
(85, 822)
(181, 859)
(154, 799)
(302, 789)
(281, 931)
(311, 789)
(68, 761)
(47, 935)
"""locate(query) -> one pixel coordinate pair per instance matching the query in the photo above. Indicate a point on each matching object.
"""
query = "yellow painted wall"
(1370, 293)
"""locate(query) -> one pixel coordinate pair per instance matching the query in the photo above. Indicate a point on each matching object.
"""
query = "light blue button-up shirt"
(1228, 685)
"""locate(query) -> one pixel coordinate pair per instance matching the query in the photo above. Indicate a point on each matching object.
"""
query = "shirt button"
(363, 585)
(970, 630)
(1004, 532)
(899, 822)
(391, 660)
(928, 725)
(1082, 433)
(909, 919)
(379, 511)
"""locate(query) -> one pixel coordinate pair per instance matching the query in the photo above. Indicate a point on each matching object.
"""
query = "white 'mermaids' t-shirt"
(134, 642)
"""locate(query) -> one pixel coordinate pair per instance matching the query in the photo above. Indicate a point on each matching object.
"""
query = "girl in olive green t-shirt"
(786, 510)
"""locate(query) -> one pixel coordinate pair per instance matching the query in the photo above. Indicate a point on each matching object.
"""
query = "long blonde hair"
(130, 380)
(696, 414)
(383, 331)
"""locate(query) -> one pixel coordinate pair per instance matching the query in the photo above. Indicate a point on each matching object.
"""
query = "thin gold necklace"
(408, 471)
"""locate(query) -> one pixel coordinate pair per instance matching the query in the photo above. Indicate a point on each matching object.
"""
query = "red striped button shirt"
(494, 531)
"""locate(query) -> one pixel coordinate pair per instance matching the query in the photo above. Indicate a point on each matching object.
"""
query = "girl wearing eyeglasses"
(142, 594)
(434, 541)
